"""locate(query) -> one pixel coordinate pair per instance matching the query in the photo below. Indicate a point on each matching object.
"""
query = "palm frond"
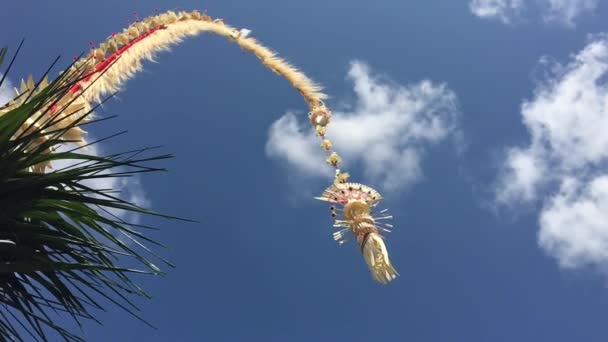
(61, 248)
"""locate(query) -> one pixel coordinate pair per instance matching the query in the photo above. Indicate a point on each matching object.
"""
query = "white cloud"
(388, 130)
(502, 10)
(522, 174)
(565, 12)
(575, 224)
(565, 166)
(289, 140)
(6, 91)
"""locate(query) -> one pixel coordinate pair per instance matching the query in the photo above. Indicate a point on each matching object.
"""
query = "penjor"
(110, 64)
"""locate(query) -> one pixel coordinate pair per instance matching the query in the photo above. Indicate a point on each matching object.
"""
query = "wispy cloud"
(6, 91)
(564, 12)
(501, 10)
(565, 166)
(387, 129)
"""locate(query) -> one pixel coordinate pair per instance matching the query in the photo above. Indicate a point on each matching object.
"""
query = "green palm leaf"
(60, 244)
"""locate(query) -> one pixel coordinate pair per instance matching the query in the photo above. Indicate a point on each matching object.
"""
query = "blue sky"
(500, 206)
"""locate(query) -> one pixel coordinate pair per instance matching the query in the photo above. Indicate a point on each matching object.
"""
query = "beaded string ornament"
(109, 65)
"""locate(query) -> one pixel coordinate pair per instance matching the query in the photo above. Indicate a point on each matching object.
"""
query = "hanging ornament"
(326, 144)
(333, 159)
(353, 212)
(319, 116)
(321, 131)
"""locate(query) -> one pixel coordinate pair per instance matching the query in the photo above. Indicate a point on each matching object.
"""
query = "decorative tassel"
(376, 256)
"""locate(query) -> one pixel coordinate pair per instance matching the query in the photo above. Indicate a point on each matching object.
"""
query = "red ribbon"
(101, 66)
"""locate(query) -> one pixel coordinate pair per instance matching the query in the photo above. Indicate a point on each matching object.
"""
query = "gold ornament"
(320, 131)
(319, 116)
(342, 177)
(357, 202)
(333, 159)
